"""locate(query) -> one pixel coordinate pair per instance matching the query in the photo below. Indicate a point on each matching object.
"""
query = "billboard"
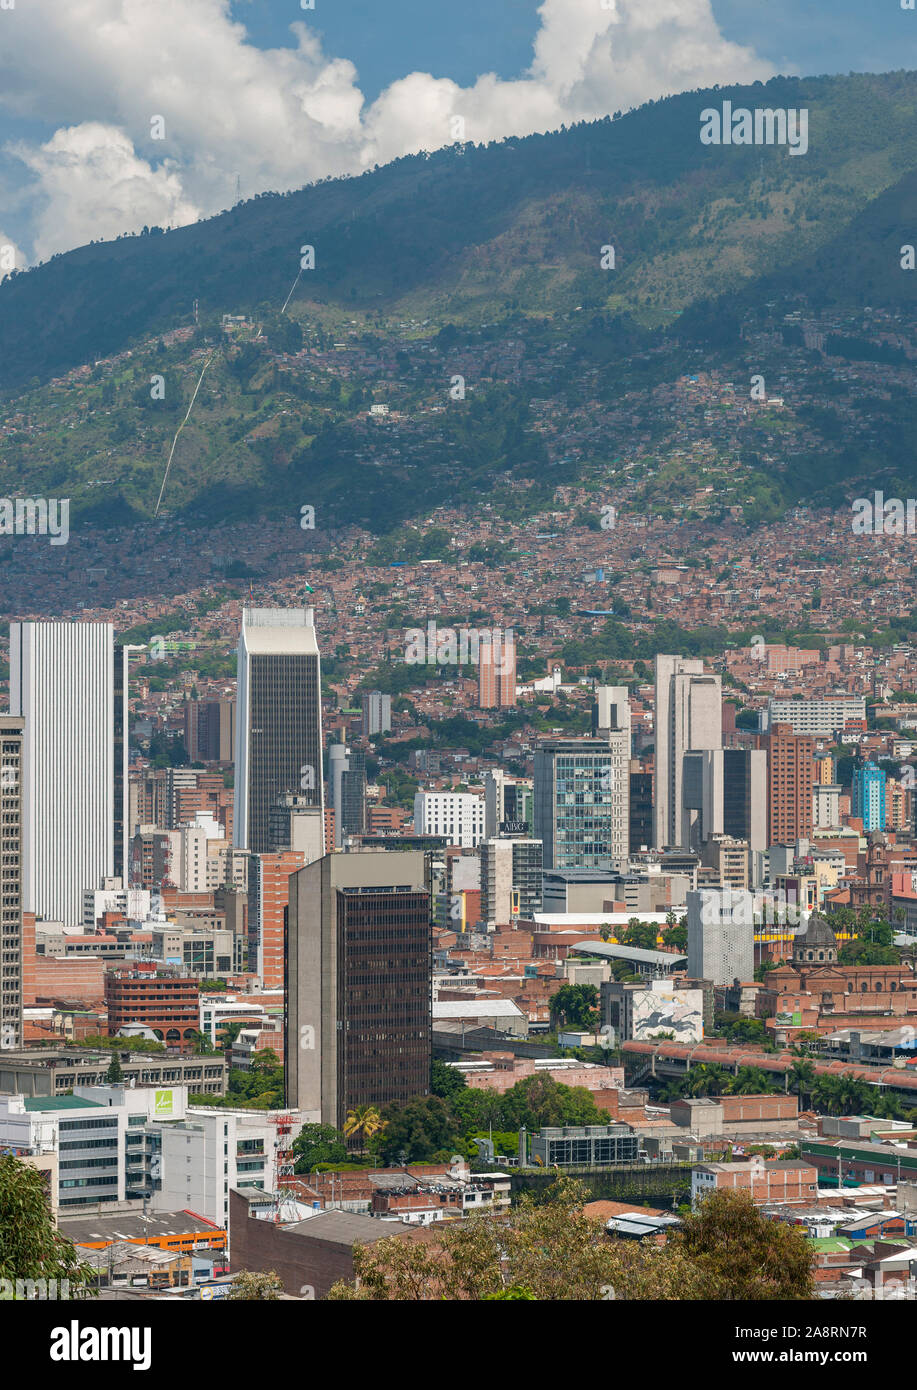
(681, 1014)
(162, 1105)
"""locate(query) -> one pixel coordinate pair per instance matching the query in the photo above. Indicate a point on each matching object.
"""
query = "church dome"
(818, 943)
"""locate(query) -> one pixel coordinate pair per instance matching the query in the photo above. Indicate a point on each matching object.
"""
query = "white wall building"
(63, 681)
(721, 935)
(119, 1144)
(458, 815)
(688, 719)
(813, 716)
(133, 903)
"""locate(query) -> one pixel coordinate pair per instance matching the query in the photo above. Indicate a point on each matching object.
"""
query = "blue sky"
(278, 95)
(387, 38)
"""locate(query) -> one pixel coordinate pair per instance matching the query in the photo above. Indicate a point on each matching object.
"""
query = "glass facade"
(284, 739)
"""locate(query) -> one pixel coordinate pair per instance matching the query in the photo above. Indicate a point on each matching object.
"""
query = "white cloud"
(95, 186)
(11, 257)
(102, 69)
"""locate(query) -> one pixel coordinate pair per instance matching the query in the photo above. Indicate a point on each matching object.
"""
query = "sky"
(115, 114)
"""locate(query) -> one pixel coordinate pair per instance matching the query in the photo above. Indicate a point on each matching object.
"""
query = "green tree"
(643, 935)
(741, 1254)
(422, 1131)
(114, 1073)
(249, 1286)
(446, 1082)
(801, 1079)
(547, 1250)
(30, 1245)
(575, 1006)
(363, 1121)
(317, 1144)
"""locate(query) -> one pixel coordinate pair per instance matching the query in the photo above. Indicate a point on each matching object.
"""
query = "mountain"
(463, 251)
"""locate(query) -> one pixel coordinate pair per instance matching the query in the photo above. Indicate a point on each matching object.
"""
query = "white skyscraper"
(688, 719)
(278, 719)
(67, 681)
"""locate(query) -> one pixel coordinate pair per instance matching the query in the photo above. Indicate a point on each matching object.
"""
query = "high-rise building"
(457, 815)
(376, 713)
(347, 784)
(701, 797)
(296, 824)
(11, 997)
(745, 796)
(824, 769)
(268, 897)
(688, 718)
(641, 808)
(611, 710)
(813, 717)
(507, 805)
(358, 970)
(868, 799)
(826, 805)
(68, 680)
(497, 673)
(510, 879)
(581, 801)
(721, 935)
(278, 719)
(790, 780)
(210, 730)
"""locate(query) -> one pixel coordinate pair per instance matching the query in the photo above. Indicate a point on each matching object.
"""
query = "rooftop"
(41, 1103)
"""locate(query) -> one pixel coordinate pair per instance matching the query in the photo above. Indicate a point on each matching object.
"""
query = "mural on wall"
(680, 1014)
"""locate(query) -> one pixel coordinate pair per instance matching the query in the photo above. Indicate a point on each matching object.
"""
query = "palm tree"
(708, 1080)
(801, 1078)
(365, 1120)
(827, 1095)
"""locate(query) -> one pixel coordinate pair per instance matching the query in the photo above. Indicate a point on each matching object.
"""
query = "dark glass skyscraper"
(358, 965)
(278, 719)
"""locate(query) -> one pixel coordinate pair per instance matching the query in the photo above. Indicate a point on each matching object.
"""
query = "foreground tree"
(551, 1250)
(30, 1246)
(548, 1250)
(740, 1254)
(251, 1287)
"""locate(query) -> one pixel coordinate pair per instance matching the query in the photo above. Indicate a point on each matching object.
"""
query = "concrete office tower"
(701, 798)
(210, 730)
(297, 825)
(347, 783)
(510, 880)
(721, 935)
(826, 806)
(497, 673)
(745, 796)
(688, 718)
(376, 713)
(507, 805)
(278, 719)
(11, 750)
(611, 710)
(68, 681)
(582, 801)
(817, 718)
(790, 783)
(358, 970)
